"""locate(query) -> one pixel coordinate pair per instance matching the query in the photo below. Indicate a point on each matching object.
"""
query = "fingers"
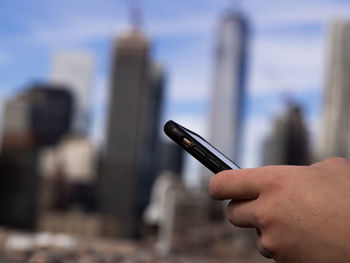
(242, 213)
(331, 162)
(243, 184)
(235, 184)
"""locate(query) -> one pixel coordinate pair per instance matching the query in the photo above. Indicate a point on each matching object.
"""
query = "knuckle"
(267, 243)
(234, 215)
(335, 160)
(267, 246)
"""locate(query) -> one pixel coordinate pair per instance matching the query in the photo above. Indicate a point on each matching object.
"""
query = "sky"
(288, 45)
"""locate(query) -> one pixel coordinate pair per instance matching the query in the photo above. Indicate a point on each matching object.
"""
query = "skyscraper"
(170, 157)
(74, 70)
(336, 139)
(289, 141)
(38, 117)
(229, 84)
(133, 124)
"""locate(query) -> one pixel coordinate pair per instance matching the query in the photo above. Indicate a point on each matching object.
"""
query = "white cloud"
(182, 26)
(297, 13)
(290, 60)
(187, 87)
(190, 21)
(190, 75)
(88, 28)
(76, 32)
(287, 64)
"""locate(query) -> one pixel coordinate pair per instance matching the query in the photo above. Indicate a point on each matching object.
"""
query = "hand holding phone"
(199, 148)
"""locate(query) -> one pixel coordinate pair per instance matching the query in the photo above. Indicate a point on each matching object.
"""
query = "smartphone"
(199, 148)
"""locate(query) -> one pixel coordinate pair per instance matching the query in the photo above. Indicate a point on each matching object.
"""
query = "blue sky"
(288, 53)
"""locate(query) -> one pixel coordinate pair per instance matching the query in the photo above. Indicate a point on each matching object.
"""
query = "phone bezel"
(177, 133)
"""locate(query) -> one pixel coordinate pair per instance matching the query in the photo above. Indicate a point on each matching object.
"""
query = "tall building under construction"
(132, 132)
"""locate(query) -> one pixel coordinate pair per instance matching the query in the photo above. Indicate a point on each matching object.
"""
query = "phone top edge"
(170, 129)
(168, 125)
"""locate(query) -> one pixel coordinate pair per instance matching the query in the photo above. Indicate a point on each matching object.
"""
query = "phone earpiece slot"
(199, 152)
(214, 163)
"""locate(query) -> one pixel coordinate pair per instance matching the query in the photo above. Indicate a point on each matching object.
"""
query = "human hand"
(301, 213)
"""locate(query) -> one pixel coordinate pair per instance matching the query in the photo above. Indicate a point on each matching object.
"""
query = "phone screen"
(212, 149)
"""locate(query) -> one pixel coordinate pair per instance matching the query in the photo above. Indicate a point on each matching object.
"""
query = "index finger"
(236, 184)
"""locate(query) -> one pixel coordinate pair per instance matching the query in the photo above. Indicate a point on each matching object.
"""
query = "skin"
(301, 213)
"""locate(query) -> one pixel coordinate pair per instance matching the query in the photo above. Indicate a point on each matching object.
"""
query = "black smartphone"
(199, 148)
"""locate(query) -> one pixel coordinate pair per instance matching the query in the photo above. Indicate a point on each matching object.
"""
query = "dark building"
(36, 118)
(170, 157)
(151, 117)
(51, 114)
(18, 188)
(289, 141)
(128, 170)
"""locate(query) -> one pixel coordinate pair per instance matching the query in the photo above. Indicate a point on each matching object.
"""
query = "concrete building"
(77, 158)
(132, 132)
(335, 139)
(68, 175)
(227, 99)
(229, 84)
(67, 201)
(74, 70)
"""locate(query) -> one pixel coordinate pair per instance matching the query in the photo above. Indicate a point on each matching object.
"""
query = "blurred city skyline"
(288, 54)
(86, 86)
